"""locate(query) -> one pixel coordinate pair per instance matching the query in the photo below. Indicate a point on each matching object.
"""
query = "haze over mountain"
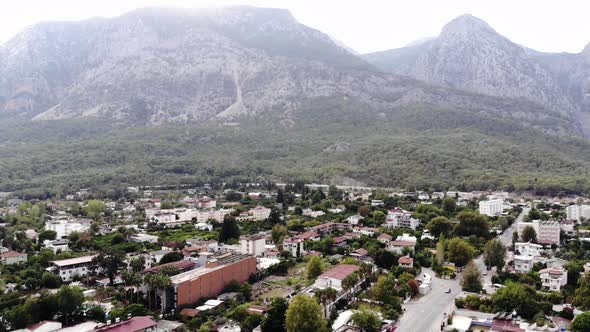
(167, 96)
(469, 54)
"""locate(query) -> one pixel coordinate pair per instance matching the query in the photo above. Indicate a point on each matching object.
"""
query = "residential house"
(354, 220)
(253, 244)
(553, 278)
(143, 237)
(294, 246)
(406, 261)
(312, 213)
(567, 226)
(56, 245)
(384, 238)
(398, 218)
(368, 231)
(67, 269)
(330, 227)
(360, 254)
(404, 240)
(308, 236)
(377, 202)
(528, 249)
(523, 264)
(333, 277)
(64, 227)
(43, 326)
(13, 257)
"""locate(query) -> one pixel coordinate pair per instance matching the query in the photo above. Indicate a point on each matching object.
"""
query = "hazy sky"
(364, 25)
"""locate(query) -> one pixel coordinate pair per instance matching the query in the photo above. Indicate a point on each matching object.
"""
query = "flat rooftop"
(222, 260)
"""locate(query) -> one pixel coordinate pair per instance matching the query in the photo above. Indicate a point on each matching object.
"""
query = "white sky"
(364, 25)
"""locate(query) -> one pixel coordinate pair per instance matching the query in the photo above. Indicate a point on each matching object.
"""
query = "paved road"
(426, 313)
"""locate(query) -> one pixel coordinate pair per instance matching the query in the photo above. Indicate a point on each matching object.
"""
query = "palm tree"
(131, 279)
(326, 296)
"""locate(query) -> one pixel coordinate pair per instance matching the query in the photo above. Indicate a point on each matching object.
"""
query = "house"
(367, 231)
(491, 208)
(143, 237)
(133, 324)
(553, 278)
(523, 264)
(313, 214)
(256, 214)
(308, 236)
(398, 218)
(528, 249)
(253, 244)
(587, 267)
(384, 238)
(361, 254)
(294, 246)
(13, 257)
(404, 240)
(406, 261)
(354, 220)
(333, 277)
(206, 203)
(377, 202)
(43, 326)
(64, 227)
(67, 269)
(341, 241)
(180, 266)
(56, 245)
(208, 280)
(257, 309)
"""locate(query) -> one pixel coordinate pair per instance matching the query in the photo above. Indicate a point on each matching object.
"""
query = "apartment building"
(294, 246)
(523, 264)
(553, 278)
(528, 249)
(253, 244)
(398, 218)
(491, 208)
(548, 232)
(577, 212)
(67, 269)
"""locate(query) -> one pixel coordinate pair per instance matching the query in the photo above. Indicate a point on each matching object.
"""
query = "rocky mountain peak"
(466, 24)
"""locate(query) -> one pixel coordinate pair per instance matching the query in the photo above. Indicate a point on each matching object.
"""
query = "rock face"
(161, 66)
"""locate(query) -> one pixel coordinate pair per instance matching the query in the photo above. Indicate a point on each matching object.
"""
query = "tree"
(280, 196)
(94, 208)
(471, 280)
(367, 320)
(514, 238)
(325, 296)
(439, 225)
(47, 235)
(440, 250)
(304, 315)
(494, 253)
(157, 282)
(385, 290)
(516, 296)
(69, 301)
(50, 280)
(472, 223)
(364, 210)
(529, 234)
(137, 264)
(582, 295)
(459, 251)
(274, 217)
(110, 262)
(314, 267)
(449, 205)
(170, 257)
(229, 229)
(278, 232)
(275, 318)
(581, 323)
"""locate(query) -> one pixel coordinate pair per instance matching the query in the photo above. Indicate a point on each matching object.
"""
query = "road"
(426, 313)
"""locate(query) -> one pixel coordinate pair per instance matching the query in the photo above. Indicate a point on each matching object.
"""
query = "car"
(448, 290)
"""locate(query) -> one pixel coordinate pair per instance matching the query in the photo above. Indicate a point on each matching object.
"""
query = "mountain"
(162, 96)
(469, 54)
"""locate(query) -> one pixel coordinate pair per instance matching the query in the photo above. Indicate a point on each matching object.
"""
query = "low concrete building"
(333, 277)
(523, 264)
(406, 261)
(67, 269)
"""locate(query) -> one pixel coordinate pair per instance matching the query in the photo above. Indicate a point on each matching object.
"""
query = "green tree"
(47, 235)
(170, 257)
(460, 251)
(385, 290)
(439, 225)
(449, 205)
(472, 223)
(69, 301)
(494, 253)
(471, 279)
(275, 318)
(304, 315)
(314, 267)
(440, 250)
(514, 238)
(367, 320)
(278, 233)
(94, 208)
(516, 296)
(50, 280)
(274, 217)
(110, 261)
(529, 234)
(582, 294)
(137, 264)
(229, 229)
(581, 323)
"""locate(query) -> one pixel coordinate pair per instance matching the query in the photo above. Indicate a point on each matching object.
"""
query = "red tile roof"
(10, 254)
(406, 260)
(189, 312)
(340, 272)
(403, 243)
(138, 323)
(360, 251)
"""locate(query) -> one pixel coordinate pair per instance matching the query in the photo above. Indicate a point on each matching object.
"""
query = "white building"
(56, 245)
(217, 215)
(206, 203)
(312, 213)
(553, 278)
(67, 269)
(398, 218)
(577, 212)
(402, 241)
(528, 249)
(491, 208)
(63, 227)
(333, 277)
(13, 257)
(567, 226)
(142, 237)
(548, 232)
(253, 244)
(523, 264)
(294, 246)
(354, 220)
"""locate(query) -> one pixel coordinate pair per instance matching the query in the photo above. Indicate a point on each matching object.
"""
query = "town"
(294, 257)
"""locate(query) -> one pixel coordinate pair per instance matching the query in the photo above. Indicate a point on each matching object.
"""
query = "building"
(260, 213)
(354, 220)
(398, 218)
(209, 280)
(553, 278)
(384, 238)
(313, 214)
(330, 227)
(133, 324)
(56, 245)
(367, 231)
(42, 326)
(577, 212)
(67, 269)
(523, 264)
(404, 240)
(568, 226)
(528, 249)
(491, 208)
(360, 254)
(143, 237)
(217, 215)
(406, 261)
(548, 232)
(333, 278)
(13, 257)
(64, 227)
(294, 246)
(206, 203)
(253, 244)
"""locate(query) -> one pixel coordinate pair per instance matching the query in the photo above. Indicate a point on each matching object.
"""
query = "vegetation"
(367, 320)
(471, 279)
(305, 315)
